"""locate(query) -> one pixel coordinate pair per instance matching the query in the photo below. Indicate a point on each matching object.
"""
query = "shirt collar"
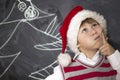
(82, 57)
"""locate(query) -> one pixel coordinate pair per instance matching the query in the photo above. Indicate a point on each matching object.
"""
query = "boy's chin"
(97, 47)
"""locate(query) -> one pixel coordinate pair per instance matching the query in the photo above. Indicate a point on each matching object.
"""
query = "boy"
(95, 59)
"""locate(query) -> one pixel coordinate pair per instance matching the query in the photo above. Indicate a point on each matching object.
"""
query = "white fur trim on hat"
(75, 23)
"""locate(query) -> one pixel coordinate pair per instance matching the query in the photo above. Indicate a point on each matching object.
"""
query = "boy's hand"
(106, 49)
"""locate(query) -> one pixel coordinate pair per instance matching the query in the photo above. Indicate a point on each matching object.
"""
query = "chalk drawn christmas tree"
(28, 28)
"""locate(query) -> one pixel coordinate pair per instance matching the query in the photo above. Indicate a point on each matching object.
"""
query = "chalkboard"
(29, 34)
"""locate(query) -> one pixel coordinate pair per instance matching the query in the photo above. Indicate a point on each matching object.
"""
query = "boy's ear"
(78, 45)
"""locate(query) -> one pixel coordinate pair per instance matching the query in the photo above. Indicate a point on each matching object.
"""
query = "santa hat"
(69, 31)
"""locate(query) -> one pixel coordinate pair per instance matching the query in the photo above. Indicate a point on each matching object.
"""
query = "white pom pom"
(64, 59)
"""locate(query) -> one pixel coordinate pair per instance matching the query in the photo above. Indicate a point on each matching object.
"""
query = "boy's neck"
(89, 53)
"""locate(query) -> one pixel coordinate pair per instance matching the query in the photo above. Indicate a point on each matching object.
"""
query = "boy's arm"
(57, 75)
(113, 55)
(114, 60)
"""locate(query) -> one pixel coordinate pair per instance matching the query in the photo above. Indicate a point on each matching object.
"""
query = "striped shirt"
(77, 70)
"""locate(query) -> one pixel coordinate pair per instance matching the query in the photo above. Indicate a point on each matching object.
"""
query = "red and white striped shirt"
(77, 70)
(114, 60)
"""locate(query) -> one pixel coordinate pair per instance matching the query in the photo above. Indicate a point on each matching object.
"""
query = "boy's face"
(90, 36)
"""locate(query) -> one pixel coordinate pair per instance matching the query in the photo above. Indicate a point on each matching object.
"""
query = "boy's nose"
(93, 31)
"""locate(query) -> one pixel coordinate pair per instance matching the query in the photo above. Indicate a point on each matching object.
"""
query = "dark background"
(27, 51)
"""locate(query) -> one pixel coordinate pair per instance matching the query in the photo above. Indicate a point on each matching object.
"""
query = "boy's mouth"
(97, 38)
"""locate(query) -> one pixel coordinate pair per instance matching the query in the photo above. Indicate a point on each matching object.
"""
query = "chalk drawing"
(31, 13)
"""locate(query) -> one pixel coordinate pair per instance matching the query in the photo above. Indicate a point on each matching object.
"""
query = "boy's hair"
(89, 21)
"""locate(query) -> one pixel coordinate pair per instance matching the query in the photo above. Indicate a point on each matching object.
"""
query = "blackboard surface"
(29, 34)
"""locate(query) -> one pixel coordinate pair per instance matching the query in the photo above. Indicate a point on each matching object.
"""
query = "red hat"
(70, 28)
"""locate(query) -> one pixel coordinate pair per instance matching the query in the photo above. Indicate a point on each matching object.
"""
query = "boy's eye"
(84, 30)
(94, 25)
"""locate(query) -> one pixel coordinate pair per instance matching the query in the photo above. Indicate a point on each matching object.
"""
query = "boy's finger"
(104, 38)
